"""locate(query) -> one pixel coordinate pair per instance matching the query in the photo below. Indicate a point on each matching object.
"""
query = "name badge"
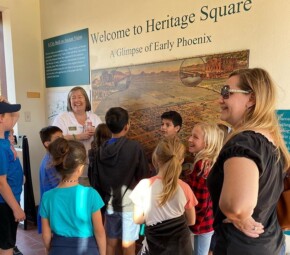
(72, 128)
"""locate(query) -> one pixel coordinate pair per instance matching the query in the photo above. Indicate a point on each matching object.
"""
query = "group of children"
(71, 217)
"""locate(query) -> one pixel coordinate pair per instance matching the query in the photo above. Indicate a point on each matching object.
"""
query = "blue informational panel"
(284, 119)
(66, 59)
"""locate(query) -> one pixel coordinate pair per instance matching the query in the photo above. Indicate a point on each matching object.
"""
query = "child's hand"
(19, 214)
(3, 99)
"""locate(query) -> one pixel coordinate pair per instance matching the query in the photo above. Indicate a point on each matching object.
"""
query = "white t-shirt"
(145, 195)
(69, 125)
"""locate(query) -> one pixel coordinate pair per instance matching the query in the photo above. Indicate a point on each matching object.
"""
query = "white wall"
(24, 63)
(263, 30)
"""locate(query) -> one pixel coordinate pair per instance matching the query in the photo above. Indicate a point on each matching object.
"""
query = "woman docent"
(78, 123)
(73, 123)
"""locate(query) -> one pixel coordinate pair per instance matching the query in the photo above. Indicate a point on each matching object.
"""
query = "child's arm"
(138, 215)
(190, 216)
(9, 198)
(99, 232)
(46, 234)
(191, 203)
(3, 99)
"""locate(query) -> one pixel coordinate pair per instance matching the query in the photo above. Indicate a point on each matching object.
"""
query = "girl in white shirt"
(162, 202)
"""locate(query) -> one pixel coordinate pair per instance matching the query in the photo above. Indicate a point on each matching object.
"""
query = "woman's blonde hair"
(262, 115)
(213, 140)
(169, 155)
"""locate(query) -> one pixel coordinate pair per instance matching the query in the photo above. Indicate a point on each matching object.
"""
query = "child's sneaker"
(16, 251)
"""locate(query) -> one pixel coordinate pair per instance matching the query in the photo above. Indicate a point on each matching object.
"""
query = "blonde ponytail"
(168, 156)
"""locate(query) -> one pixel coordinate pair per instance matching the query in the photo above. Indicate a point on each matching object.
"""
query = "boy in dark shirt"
(120, 164)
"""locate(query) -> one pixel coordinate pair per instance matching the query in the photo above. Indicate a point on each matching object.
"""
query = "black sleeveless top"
(230, 240)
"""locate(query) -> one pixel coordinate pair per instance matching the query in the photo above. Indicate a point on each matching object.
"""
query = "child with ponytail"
(70, 213)
(165, 203)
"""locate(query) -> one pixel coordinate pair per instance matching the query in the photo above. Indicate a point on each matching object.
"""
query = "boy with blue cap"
(11, 180)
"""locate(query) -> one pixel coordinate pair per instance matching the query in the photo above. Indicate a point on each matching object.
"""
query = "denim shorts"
(120, 225)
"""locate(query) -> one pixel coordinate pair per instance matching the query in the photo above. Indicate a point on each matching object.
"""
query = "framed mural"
(189, 86)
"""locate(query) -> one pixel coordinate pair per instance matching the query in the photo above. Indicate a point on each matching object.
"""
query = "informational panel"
(66, 59)
(284, 119)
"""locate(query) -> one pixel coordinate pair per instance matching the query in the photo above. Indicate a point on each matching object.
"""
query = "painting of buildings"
(189, 86)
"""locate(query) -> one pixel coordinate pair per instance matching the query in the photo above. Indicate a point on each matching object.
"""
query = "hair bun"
(58, 150)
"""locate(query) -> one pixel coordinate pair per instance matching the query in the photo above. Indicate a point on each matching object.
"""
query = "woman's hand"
(85, 135)
(91, 131)
(248, 226)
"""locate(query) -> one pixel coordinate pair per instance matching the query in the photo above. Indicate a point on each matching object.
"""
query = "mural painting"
(189, 86)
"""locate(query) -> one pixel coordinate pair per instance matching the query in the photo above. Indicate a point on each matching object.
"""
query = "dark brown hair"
(47, 132)
(102, 134)
(67, 155)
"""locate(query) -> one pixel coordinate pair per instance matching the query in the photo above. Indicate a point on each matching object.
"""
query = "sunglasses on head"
(226, 91)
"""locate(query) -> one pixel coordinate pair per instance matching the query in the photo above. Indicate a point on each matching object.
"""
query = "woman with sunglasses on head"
(247, 179)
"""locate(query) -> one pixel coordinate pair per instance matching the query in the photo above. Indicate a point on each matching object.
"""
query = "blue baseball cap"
(8, 108)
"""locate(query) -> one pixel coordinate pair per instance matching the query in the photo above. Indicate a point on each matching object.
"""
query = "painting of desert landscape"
(189, 86)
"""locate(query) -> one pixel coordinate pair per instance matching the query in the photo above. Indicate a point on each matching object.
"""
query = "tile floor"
(29, 242)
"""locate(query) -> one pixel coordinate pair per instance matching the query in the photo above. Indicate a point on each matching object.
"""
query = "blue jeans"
(201, 243)
(283, 250)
